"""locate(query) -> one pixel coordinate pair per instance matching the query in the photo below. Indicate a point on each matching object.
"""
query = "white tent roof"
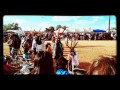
(15, 31)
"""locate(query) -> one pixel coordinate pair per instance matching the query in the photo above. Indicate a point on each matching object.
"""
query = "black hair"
(61, 63)
(46, 64)
(72, 50)
(7, 58)
(47, 45)
(38, 40)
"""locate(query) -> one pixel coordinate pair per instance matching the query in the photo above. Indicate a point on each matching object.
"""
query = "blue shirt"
(62, 72)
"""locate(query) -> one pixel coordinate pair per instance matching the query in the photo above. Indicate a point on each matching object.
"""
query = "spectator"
(26, 47)
(62, 66)
(10, 42)
(15, 45)
(46, 64)
(104, 65)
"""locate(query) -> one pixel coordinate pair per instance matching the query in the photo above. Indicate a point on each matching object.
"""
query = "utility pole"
(109, 25)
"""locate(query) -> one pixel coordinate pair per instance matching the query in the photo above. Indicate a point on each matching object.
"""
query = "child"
(62, 66)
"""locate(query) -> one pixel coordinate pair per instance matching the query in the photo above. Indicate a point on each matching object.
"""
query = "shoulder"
(58, 71)
(66, 72)
(62, 72)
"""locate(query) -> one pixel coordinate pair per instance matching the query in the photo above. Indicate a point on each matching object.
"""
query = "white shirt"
(74, 60)
(39, 48)
(33, 44)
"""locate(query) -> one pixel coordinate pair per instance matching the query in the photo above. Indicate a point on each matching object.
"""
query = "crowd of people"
(79, 36)
(39, 57)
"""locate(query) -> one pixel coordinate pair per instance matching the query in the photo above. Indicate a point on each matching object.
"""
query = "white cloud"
(96, 18)
(113, 21)
(21, 22)
(88, 23)
(83, 22)
(101, 17)
(65, 18)
(113, 25)
(44, 25)
(15, 20)
(104, 27)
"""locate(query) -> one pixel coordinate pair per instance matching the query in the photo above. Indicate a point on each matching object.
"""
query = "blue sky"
(75, 22)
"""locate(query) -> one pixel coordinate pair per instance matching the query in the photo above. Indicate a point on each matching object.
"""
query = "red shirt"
(6, 66)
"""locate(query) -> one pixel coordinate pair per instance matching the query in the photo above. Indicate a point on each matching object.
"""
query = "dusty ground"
(88, 50)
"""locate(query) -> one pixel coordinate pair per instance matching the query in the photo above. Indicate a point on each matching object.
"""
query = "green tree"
(4, 27)
(12, 26)
(7, 27)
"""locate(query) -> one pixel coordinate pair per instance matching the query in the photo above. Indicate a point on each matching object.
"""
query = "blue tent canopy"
(98, 30)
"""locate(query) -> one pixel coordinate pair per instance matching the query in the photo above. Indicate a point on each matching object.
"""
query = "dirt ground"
(88, 50)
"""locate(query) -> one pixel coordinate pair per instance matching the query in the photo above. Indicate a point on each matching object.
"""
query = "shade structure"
(98, 30)
(15, 31)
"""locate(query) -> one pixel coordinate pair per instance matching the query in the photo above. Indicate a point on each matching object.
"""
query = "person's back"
(16, 43)
(62, 67)
(46, 64)
(62, 72)
(39, 44)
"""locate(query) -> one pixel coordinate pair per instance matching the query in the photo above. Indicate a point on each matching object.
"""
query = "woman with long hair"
(46, 64)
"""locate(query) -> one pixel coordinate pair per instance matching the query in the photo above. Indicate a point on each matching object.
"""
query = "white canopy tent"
(15, 31)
